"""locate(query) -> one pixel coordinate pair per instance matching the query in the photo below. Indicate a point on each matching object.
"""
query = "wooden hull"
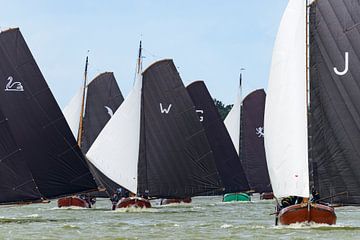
(134, 202)
(73, 202)
(236, 197)
(166, 201)
(306, 213)
(267, 196)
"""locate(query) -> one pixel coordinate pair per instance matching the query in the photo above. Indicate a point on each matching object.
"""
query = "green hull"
(236, 197)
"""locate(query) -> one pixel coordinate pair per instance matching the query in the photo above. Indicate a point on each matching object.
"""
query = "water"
(204, 218)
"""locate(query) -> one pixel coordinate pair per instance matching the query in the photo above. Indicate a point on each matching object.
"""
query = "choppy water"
(205, 218)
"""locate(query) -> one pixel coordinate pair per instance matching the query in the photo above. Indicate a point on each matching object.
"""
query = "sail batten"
(286, 107)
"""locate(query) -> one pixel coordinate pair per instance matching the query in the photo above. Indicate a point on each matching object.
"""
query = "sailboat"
(154, 146)
(252, 150)
(40, 159)
(286, 120)
(335, 98)
(227, 161)
(90, 110)
(233, 126)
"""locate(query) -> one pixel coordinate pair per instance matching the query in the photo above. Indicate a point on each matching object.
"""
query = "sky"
(208, 40)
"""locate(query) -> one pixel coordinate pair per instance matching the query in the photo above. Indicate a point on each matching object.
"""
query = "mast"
(79, 138)
(240, 129)
(139, 62)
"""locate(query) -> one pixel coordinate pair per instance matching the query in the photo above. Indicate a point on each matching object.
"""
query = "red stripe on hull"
(174, 200)
(304, 213)
(73, 202)
(267, 196)
(136, 202)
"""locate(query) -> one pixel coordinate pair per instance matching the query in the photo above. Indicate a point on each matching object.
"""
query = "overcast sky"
(208, 40)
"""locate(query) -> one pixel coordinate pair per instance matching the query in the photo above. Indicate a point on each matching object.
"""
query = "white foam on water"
(69, 208)
(226, 226)
(134, 210)
(306, 225)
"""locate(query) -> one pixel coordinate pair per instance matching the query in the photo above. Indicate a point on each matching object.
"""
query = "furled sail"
(335, 99)
(40, 158)
(286, 107)
(227, 160)
(232, 121)
(252, 153)
(175, 158)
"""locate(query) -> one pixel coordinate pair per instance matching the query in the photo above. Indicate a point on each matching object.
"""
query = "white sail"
(72, 112)
(285, 123)
(115, 151)
(232, 121)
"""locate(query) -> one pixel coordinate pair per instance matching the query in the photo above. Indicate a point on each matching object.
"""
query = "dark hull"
(267, 196)
(307, 213)
(167, 201)
(73, 202)
(134, 202)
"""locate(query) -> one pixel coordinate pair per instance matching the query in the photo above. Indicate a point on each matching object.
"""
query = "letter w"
(165, 110)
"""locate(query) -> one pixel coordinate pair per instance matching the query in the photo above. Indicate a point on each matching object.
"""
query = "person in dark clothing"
(315, 195)
(118, 195)
(292, 200)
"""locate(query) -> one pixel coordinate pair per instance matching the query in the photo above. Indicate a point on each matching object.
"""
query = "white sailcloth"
(232, 121)
(115, 151)
(285, 122)
(72, 112)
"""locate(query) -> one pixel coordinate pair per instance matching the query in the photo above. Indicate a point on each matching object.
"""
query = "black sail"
(103, 98)
(252, 150)
(227, 160)
(40, 158)
(175, 159)
(335, 99)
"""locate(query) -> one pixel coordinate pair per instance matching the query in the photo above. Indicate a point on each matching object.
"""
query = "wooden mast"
(79, 138)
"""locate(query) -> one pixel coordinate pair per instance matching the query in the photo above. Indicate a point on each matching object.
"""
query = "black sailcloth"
(175, 159)
(335, 99)
(227, 160)
(252, 150)
(103, 98)
(40, 158)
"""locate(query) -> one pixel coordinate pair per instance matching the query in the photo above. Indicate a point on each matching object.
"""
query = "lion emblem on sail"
(260, 132)
(13, 86)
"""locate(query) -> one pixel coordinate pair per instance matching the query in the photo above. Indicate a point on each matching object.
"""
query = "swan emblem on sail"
(346, 66)
(13, 86)
(109, 111)
(260, 132)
